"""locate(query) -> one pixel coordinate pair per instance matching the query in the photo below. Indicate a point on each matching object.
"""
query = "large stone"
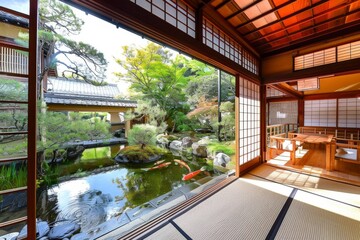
(80, 236)
(42, 229)
(10, 236)
(176, 145)
(162, 139)
(199, 150)
(64, 229)
(187, 142)
(221, 159)
(121, 158)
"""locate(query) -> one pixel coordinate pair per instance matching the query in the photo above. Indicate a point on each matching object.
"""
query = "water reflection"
(96, 198)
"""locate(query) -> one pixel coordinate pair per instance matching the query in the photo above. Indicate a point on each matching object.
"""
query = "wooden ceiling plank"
(285, 88)
(287, 17)
(265, 13)
(222, 4)
(307, 19)
(243, 9)
(312, 27)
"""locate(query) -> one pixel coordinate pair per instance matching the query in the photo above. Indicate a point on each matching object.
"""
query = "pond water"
(93, 199)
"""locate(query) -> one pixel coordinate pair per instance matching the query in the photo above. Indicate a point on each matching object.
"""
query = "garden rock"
(162, 139)
(80, 236)
(204, 140)
(221, 159)
(13, 201)
(10, 236)
(187, 142)
(42, 229)
(121, 158)
(63, 230)
(199, 150)
(176, 145)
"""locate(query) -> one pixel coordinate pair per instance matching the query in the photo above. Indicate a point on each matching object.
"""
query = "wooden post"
(32, 121)
(328, 159)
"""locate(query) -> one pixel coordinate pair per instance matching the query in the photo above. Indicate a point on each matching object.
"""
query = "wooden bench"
(343, 133)
(345, 150)
(279, 143)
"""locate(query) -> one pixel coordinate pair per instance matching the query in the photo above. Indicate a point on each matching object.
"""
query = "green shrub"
(11, 177)
(142, 134)
(139, 153)
(221, 147)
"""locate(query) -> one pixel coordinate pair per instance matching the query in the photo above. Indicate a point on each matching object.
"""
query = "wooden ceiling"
(273, 26)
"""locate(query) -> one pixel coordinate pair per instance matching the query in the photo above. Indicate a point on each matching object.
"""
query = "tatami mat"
(339, 191)
(315, 217)
(239, 211)
(268, 203)
(168, 232)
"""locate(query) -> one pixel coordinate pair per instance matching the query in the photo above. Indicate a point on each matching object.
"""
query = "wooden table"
(317, 139)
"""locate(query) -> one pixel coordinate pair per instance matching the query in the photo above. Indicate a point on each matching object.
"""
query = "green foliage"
(94, 153)
(57, 23)
(11, 177)
(140, 153)
(227, 124)
(49, 175)
(155, 76)
(215, 146)
(59, 129)
(142, 134)
(153, 114)
(12, 90)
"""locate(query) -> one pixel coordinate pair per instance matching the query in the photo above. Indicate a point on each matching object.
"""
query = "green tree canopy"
(81, 60)
(156, 76)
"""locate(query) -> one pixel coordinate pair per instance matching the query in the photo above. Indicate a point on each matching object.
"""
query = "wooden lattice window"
(174, 12)
(249, 121)
(214, 38)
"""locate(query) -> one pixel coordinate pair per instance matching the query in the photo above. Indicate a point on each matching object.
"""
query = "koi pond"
(97, 195)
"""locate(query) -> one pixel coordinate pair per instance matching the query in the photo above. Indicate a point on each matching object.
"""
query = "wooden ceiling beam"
(275, 9)
(287, 17)
(243, 9)
(307, 19)
(349, 29)
(285, 88)
(138, 20)
(340, 68)
(222, 4)
(310, 27)
(332, 95)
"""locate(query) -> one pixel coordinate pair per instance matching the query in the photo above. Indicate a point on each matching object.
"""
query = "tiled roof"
(14, 20)
(72, 100)
(81, 88)
(76, 92)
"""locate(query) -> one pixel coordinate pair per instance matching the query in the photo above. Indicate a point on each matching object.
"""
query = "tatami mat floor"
(268, 203)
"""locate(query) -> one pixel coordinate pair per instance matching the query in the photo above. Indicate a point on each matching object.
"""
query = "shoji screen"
(320, 113)
(249, 120)
(349, 113)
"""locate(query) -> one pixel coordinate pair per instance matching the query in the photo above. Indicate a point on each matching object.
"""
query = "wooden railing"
(13, 61)
(273, 130)
(344, 133)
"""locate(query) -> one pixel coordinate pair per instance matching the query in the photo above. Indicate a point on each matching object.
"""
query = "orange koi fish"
(183, 164)
(192, 174)
(158, 162)
(157, 166)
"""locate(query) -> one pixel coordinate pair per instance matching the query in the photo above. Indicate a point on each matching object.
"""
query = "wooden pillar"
(237, 126)
(301, 112)
(114, 118)
(32, 121)
(263, 133)
(127, 127)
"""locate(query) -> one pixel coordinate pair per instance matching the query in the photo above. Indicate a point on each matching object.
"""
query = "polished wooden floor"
(313, 161)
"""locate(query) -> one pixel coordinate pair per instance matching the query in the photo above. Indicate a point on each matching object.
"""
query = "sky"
(105, 37)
